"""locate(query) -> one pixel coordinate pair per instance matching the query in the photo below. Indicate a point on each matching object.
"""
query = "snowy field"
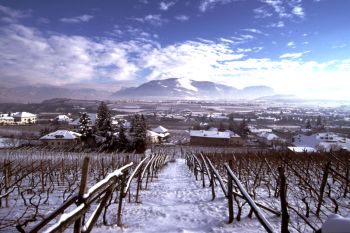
(176, 202)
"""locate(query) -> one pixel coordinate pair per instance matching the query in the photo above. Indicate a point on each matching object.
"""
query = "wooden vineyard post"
(121, 196)
(203, 178)
(284, 203)
(229, 195)
(138, 185)
(212, 183)
(323, 185)
(82, 188)
(7, 171)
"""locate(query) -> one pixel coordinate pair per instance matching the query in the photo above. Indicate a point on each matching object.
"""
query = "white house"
(61, 138)
(24, 118)
(161, 130)
(6, 119)
(152, 137)
(63, 119)
(214, 138)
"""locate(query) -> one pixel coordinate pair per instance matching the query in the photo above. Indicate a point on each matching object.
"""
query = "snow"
(209, 134)
(160, 129)
(65, 216)
(300, 149)
(23, 114)
(116, 173)
(187, 84)
(176, 202)
(61, 134)
(336, 224)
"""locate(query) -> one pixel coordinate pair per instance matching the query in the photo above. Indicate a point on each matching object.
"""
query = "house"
(61, 138)
(62, 119)
(6, 119)
(214, 138)
(24, 118)
(163, 132)
(269, 138)
(152, 137)
(157, 135)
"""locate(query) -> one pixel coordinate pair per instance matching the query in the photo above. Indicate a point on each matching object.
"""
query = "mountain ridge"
(186, 88)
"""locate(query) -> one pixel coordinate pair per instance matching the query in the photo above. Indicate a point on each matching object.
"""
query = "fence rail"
(102, 191)
(206, 167)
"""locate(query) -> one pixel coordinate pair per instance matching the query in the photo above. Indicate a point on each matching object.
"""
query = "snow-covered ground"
(176, 202)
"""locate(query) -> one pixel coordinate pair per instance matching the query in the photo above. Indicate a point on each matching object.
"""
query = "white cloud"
(293, 55)
(182, 17)
(298, 11)
(29, 56)
(279, 24)
(77, 19)
(291, 44)
(166, 5)
(281, 9)
(208, 4)
(155, 20)
(253, 30)
(12, 15)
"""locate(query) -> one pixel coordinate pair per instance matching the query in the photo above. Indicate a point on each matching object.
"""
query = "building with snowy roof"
(163, 132)
(63, 119)
(6, 119)
(214, 138)
(24, 118)
(61, 138)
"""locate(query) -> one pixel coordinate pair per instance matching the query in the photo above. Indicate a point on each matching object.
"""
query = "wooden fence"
(100, 194)
(204, 166)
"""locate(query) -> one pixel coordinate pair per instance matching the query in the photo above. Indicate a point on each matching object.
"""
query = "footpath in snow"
(176, 202)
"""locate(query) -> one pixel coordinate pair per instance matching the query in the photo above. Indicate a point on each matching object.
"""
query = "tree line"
(108, 137)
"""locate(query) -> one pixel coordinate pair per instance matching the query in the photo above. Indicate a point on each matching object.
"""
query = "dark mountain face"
(185, 88)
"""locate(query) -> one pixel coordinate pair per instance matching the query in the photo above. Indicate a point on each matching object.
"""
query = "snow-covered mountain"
(190, 89)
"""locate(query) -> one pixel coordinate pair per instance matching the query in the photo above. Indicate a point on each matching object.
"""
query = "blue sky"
(297, 46)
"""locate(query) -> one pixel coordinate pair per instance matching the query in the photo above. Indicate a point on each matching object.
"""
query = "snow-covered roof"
(6, 118)
(61, 134)
(300, 149)
(62, 118)
(268, 136)
(23, 114)
(160, 129)
(151, 133)
(209, 134)
(232, 134)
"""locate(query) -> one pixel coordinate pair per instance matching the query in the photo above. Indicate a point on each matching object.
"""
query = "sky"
(297, 47)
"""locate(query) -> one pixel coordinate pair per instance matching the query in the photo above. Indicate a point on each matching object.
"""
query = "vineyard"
(284, 191)
(34, 183)
(302, 190)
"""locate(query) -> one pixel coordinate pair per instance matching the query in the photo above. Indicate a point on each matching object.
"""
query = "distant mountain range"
(172, 88)
(36, 94)
(189, 89)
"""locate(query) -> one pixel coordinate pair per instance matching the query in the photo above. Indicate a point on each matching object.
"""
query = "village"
(231, 126)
